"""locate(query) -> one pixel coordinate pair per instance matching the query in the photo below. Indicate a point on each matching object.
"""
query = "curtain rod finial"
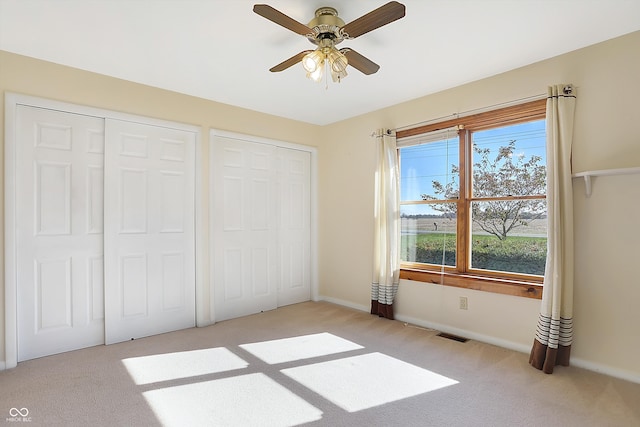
(380, 132)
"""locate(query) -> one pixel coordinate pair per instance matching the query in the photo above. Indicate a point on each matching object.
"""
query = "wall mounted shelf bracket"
(603, 172)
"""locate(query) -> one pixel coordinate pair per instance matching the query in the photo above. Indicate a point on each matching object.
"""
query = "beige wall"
(606, 288)
(608, 236)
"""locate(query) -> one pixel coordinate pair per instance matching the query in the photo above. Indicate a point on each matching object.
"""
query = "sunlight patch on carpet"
(362, 382)
(298, 348)
(184, 364)
(247, 400)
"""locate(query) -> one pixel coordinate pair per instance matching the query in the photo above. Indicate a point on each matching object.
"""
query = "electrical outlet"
(463, 303)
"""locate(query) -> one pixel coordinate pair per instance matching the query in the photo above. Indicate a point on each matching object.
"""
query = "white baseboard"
(3, 366)
(344, 303)
(439, 327)
(522, 348)
(622, 374)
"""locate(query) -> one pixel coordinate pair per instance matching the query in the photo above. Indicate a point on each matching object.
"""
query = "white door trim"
(313, 211)
(12, 100)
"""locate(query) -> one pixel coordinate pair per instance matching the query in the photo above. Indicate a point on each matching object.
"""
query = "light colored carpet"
(312, 364)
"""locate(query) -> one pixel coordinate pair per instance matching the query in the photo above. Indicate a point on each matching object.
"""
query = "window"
(473, 204)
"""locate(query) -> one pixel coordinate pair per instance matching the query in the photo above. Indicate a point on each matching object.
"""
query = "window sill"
(479, 283)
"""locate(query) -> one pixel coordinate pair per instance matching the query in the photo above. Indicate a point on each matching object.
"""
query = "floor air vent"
(452, 337)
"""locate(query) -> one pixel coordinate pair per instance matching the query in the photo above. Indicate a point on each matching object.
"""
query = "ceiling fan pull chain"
(326, 75)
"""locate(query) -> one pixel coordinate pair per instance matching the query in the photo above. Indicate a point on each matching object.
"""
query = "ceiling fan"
(327, 30)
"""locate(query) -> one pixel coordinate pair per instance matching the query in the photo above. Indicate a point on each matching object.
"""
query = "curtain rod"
(380, 132)
(474, 111)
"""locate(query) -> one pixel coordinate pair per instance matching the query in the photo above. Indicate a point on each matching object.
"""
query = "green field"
(518, 254)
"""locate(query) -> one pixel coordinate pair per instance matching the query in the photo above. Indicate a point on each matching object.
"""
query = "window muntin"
(517, 140)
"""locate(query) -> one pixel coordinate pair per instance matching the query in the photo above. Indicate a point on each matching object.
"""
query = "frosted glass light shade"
(313, 60)
(338, 61)
(317, 75)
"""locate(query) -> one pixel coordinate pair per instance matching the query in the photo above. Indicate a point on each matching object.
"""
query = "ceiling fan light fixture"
(338, 61)
(338, 65)
(329, 57)
(313, 60)
(318, 73)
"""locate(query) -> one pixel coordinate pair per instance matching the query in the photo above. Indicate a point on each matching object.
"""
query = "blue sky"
(421, 164)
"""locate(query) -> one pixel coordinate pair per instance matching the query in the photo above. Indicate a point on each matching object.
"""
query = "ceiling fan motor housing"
(326, 25)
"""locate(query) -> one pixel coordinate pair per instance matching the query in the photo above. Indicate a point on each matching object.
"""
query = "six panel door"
(59, 229)
(244, 228)
(149, 230)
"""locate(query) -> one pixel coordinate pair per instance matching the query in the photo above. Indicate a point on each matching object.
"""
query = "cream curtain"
(554, 332)
(386, 245)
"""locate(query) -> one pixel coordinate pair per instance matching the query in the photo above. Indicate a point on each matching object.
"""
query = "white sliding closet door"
(58, 211)
(294, 226)
(244, 228)
(149, 230)
(260, 222)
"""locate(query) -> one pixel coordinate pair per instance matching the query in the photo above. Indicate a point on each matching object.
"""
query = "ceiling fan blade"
(383, 15)
(359, 62)
(289, 62)
(280, 18)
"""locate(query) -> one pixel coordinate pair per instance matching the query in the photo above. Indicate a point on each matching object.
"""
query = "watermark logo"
(18, 415)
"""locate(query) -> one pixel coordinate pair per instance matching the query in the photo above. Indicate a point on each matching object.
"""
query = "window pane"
(509, 236)
(510, 160)
(430, 171)
(428, 233)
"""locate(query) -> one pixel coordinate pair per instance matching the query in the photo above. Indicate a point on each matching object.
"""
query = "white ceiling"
(220, 50)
